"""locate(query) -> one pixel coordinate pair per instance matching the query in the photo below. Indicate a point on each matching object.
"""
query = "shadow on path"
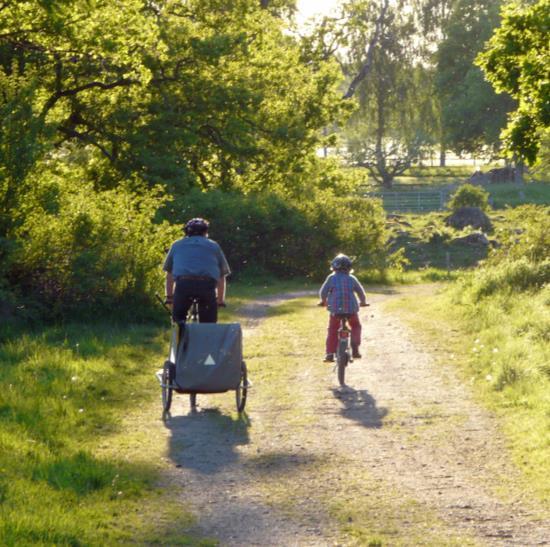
(206, 441)
(360, 406)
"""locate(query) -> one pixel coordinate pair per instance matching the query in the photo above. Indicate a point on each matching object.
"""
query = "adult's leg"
(208, 306)
(182, 300)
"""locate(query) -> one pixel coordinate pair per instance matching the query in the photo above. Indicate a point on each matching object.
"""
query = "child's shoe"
(329, 358)
(355, 352)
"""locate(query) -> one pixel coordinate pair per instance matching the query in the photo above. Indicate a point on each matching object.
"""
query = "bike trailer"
(209, 358)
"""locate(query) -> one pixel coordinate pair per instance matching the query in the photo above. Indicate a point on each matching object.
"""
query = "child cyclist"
(338, 294)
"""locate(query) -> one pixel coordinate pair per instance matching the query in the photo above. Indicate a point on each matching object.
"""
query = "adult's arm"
(169, 289)
(221, 290)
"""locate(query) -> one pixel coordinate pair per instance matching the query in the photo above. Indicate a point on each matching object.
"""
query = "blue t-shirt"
(196, 255)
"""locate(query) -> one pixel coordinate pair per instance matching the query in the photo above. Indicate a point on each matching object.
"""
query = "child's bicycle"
(344, 354)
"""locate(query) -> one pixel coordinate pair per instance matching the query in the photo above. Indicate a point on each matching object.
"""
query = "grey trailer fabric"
(209, 358)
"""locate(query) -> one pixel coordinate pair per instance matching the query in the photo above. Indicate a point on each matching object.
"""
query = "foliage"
(389, 129)
(78, 248)
(469, 195)
(194, 94)
(516, 61)
(521, 263)
(266, 233)
(472, 113)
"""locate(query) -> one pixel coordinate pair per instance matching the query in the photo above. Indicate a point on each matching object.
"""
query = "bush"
(469, 196)
(264, 233)
(521, 262)
(82, 249)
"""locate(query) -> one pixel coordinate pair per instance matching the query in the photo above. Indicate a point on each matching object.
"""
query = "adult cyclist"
(196, 268)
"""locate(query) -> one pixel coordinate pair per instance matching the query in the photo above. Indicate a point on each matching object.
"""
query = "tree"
(517, 62)
(472, 114)
(197, 93)
(387, 132)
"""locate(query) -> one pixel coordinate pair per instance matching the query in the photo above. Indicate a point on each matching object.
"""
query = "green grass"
(512, 195)
(501, 345)
(64, 392)
(70, 397)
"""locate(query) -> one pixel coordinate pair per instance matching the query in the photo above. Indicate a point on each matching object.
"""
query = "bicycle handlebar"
(163, 304)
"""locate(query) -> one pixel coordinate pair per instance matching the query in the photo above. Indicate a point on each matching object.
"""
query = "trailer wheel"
(242, 389)
(166, 386)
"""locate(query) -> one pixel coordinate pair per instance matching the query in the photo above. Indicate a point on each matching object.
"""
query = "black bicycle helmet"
(196, 227)
(341, 263)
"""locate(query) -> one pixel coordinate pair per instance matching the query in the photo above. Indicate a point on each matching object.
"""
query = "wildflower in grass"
(489, 377)
(74, 378)
(495, 350)
(80, 410)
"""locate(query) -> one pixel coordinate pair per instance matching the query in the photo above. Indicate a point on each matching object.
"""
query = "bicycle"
(344, 354)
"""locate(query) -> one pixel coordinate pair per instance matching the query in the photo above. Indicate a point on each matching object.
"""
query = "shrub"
(521, 262)
(469, 196)
(266, 233)
(78, 248)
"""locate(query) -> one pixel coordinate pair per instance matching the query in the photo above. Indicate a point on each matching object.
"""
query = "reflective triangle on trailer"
(209, 360)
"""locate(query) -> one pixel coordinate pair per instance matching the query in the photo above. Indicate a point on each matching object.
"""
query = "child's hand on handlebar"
(322, 303)
(364, 304)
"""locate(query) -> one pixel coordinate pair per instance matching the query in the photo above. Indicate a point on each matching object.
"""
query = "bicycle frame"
(343, 353)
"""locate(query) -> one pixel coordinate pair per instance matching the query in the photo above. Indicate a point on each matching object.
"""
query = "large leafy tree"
(472, 114)
(388, 131)
(517, 61)
(186, 93)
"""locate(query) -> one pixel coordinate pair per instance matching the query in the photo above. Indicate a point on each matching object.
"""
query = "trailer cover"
(209, 358)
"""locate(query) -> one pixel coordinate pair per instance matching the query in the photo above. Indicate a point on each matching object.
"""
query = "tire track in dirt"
(407, 431)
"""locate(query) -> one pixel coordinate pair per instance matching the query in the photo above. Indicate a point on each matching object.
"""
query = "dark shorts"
(204, 290)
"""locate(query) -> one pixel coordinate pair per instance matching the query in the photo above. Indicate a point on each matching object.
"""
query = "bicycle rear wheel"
(342, 359)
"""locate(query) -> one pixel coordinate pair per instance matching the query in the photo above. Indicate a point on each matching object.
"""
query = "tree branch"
(85, 137)
(50, 103)
(366, 68)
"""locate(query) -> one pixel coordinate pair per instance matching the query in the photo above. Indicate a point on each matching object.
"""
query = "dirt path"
(407, 456)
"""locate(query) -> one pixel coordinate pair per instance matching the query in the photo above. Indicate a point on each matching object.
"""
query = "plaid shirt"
(339, 290)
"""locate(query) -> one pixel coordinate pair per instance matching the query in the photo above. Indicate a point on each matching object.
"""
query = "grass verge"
(70, 399)
(63, 394)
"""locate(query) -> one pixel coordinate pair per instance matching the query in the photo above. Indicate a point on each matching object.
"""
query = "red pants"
(334, 325)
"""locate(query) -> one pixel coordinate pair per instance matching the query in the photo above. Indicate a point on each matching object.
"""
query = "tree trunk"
(387, 179)
(442, 156)
(519, 172)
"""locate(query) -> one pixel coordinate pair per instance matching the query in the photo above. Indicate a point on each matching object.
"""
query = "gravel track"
(408, 434)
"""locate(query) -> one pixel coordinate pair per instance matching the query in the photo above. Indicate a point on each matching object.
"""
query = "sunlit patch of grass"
(64, 392)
